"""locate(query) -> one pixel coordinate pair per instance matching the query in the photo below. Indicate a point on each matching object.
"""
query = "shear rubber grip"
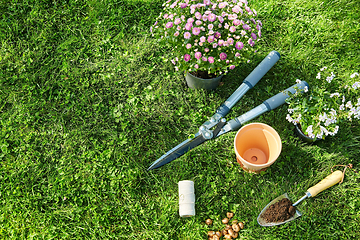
(280, 98)
(223, 110)
(266, 64)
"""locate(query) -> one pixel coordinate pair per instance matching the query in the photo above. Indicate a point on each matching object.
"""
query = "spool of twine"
(186, 198)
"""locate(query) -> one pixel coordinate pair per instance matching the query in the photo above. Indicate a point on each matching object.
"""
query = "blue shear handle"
(249, 82)
(261, 69)
(266, 106)
(281, 97)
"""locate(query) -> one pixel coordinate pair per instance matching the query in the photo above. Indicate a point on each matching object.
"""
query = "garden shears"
(218, 121)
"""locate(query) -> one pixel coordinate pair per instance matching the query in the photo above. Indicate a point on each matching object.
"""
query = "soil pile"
(204, 75)
(279, 211)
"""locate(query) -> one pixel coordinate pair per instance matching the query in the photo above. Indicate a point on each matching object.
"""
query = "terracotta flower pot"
(257, 146)
(200, 83)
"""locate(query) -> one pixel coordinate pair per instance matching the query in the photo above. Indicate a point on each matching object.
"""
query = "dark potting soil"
(279, 212)
(204, 75)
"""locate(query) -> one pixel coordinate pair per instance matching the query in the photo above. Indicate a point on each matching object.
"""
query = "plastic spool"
(186, 198)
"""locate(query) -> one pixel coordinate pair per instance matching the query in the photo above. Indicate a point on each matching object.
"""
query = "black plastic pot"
(304, 137)
(200, 83)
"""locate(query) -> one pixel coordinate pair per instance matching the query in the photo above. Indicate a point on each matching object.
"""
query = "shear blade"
(178, 151)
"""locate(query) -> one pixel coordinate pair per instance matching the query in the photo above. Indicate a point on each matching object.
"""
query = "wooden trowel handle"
(327, 182)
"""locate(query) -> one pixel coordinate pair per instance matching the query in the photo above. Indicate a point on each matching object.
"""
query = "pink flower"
(230, 41)
(239, 45)
(236, 9)
(246, 27)
(183, 5)
(176, 33)
(169, 25)
(177, 21)
(204, 18)
(204, 59)
(217, 35)
(232, 67)
(210, 26)
(188, 46)
(232, 16)
(207, 2)
(190, 20)
(212, 17)
(206, 50)
(232, 29)
(223, 56)
(196, 66)
(198, 22)
(251, 42)
(223, 4)
(166, 15)
(188, 26)
(221, 42)
(203, 39)
(196, 31)
(198, 55)
(211, 38)
(259, 33)
(187, 35)
(211, 60)
(215, 45)
(198, 15)
(221, 19)
(237, 54)
(236, 22)
(253, 35)
(187, 57)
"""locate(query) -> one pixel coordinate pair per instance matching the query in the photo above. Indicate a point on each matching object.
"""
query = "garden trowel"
(327, 182)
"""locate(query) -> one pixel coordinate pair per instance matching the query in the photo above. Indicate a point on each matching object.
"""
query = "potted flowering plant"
(318, 112)
(208, 37)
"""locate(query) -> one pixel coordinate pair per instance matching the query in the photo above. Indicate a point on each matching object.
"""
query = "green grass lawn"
(86, 105)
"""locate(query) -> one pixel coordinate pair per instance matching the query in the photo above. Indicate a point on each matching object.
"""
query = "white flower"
(309, 130)
(349, 104)
(306, 89)
(318, 76)
(356, 85)
(322, 69)
(354, 74)
(292, 110)
(330, 78)
(323, 117)
(289, 118)
(335, 94)
(324, 130)
(298, 81)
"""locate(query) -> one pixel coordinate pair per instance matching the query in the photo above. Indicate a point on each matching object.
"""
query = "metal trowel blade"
(264, 223)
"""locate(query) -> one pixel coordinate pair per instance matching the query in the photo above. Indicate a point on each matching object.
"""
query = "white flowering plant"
(320, 111)
(212, 36)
